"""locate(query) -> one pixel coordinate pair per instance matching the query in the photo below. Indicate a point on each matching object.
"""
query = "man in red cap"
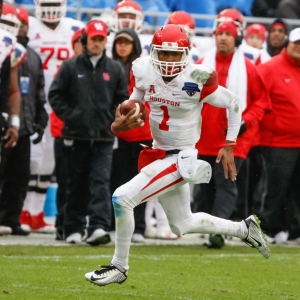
(84, 95)
(239, 75)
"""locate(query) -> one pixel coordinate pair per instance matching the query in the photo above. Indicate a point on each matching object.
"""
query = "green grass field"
(156, 272)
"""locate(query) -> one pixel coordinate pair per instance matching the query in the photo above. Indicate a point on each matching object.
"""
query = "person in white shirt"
(175, 90)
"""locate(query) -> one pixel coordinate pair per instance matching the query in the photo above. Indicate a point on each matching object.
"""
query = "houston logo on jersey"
(191, 88)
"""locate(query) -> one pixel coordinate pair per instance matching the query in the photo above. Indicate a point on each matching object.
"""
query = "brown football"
(128, 105)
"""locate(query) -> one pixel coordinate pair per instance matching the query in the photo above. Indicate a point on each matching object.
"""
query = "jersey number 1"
(163, 125)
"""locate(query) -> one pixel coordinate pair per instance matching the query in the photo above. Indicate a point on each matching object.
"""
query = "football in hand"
(128, 105)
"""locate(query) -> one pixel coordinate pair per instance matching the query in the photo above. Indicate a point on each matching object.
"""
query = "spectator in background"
(84, 95)
(277, 36)
(255, 36)
(235, 16)
(289, 9)
(126, 48)
(33, 119)
(50, 34)
(60, 153)
(280, 141)
(240, 76)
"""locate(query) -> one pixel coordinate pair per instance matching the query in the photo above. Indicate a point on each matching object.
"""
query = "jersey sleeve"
(18, 55)
(210, 86)
(131, 84)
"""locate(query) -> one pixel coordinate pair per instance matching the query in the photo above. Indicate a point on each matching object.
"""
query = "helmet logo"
(169, 45)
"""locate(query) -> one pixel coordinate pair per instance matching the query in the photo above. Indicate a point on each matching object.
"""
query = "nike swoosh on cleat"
(259, 243)
(183, 157)
(95, 279)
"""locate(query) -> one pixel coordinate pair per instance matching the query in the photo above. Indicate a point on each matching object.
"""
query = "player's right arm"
(124, 123)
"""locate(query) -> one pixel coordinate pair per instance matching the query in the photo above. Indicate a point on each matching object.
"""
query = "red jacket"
(214, 120)
(141, 133)
(281, 127)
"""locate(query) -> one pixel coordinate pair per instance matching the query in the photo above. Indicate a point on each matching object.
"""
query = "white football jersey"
(7, 44)
(175, 117)
(53, 46)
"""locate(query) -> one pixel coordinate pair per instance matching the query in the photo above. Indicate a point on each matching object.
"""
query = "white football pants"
(41, 169)
(161, 179)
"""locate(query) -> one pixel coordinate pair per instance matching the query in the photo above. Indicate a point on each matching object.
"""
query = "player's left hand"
(11, 137)
(226, 156)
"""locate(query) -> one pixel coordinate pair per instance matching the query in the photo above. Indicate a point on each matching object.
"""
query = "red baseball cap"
(228, 27)
(96, 28)
(76, 36)
(22, 14)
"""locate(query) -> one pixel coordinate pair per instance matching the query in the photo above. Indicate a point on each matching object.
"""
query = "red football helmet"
(121, 16)
(9, 20)
(230, 15)
(170, 38)
(183, 19)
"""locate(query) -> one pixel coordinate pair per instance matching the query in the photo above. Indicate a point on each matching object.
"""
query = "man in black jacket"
(15, 167)
(85, 95)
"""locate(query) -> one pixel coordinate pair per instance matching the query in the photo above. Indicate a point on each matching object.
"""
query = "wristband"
(229, 144)
(14, 121)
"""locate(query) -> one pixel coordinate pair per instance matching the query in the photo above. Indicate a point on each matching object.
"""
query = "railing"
(97, 11)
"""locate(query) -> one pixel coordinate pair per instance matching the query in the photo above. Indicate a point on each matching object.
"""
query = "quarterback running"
(176, 91)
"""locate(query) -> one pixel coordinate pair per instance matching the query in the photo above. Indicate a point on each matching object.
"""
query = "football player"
(11, 55)
(10, 24)
(176, 91)
(50, 34)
